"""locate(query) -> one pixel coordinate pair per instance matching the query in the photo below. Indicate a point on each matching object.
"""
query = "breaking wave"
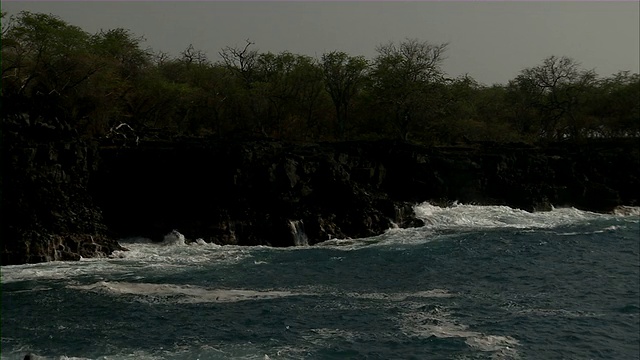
(484, 217)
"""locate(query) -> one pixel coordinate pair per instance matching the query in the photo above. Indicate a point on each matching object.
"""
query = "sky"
(490, 41)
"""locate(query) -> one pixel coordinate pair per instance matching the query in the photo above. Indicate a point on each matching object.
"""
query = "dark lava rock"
(249, 193)
(244, 193)
(47, 213)
(64, 198)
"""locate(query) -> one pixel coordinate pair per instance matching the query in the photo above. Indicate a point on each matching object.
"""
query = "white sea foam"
(627, 211)
(438, 322)
(173, 238)
(173, 254)
(176, 250)
(142, 254)
(503, 347)
(54, 270)
(182, 293)
(475, 217)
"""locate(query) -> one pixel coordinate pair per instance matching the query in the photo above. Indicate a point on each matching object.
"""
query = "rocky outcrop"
(47, 214)
(244, 193)
(64, 198)
(249, 193)
(597, 175)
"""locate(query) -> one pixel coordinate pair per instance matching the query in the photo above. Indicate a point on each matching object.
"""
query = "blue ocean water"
(476, 282)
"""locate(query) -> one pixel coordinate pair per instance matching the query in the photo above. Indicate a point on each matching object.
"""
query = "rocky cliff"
(252, 193)
(248, 193)
(47, 213)
(63, 198)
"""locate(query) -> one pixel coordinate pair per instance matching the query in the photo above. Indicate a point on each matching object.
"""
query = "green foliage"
(614, 106)
(405, 79)
(344, 77)
(45, 61)
(556, 90)
(98, 82)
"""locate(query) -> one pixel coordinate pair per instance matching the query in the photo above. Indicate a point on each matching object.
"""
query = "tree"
(344, 77)
(614, 106)
(44, 63)
(188, 95)
(286, 90)
(123, 67)
(459, 116)
(123, 49)
(404, 77)
(493, 110)
(556, 90)
(193, 56)
(241, 61)
(306, 77)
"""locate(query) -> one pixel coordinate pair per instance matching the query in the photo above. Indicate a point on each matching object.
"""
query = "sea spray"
(174, 238)
(485, 217)
(297, 231)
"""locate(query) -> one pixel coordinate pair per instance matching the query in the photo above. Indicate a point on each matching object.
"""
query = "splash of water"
(475, 217)
(297, 231)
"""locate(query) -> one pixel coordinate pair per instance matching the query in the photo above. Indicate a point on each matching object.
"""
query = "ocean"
(476, 282)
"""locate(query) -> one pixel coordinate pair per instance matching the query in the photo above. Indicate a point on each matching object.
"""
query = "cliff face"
(253, 192)
(63, 198)
(47, 213)
(596, 175)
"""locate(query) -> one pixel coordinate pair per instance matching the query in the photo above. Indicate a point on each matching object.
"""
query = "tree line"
(100, 82)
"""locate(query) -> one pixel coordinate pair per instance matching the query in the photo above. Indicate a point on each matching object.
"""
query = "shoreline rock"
(64, 198)
(248, 193)
(47, 212)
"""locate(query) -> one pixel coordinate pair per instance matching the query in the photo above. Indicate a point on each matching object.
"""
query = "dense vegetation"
(98, 82)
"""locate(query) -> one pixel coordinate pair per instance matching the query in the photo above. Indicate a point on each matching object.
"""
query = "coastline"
(72, 198)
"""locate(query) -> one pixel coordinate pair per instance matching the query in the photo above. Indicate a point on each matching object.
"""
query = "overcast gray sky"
(491, 41)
